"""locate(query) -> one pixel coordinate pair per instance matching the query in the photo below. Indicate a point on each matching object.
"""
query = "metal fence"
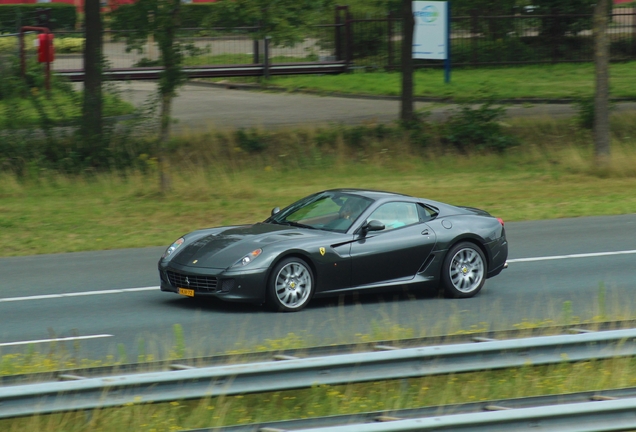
(369, 42)
(478, 40)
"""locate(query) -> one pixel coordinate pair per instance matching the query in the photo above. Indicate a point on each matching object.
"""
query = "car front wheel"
(464, 271)
(291, 285)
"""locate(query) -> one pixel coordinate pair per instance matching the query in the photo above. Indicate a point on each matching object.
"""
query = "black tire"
(464, 270)
(290, 286)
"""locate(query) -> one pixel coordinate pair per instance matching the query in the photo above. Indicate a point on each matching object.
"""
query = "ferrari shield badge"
(322, 251)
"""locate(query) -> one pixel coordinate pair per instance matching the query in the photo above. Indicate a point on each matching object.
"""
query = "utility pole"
(601, 94)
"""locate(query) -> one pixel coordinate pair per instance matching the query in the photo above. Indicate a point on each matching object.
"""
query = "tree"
(563, 16)
(407, 113)
(92, 108)
(601, 94)
(284, 21)
(159, 18)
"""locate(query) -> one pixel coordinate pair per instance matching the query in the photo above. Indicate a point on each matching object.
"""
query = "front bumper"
(232, 285)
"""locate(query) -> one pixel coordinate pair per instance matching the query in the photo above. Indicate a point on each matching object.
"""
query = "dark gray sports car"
(335, 242)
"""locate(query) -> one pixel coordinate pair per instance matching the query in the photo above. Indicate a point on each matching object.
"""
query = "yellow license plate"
(186, 292)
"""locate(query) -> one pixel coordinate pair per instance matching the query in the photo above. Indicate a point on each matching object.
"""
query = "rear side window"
(426, 213)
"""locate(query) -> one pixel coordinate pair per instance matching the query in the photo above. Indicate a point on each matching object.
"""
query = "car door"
(395, 253)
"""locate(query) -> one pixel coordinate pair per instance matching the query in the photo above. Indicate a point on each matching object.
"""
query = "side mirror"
(373, 225)
(275, 210)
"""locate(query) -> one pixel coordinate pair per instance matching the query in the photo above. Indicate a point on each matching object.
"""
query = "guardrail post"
(266, 56)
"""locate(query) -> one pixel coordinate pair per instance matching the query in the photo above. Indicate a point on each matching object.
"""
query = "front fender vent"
(428, 262)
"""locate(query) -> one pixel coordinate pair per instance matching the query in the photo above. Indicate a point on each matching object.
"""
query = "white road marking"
(77, 294)
(73, 338)
(153, 288)
(560, 257)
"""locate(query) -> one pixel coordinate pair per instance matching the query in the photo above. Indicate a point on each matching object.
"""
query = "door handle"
(425, 232)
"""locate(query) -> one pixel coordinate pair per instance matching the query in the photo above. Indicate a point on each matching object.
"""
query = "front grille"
(197, 283)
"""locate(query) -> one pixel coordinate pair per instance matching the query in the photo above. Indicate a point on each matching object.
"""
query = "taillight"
(501, 221)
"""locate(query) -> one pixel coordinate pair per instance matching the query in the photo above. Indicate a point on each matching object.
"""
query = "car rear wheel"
(464, 271)
(291, 285)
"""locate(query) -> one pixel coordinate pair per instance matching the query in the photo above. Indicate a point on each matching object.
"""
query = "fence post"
(337, 39)
(257, 54)
(390, 40)
(22, 56)
(556, 37)
(349, 39)
(266, 56)
(18, 19)
(474, 30)
(633, 31)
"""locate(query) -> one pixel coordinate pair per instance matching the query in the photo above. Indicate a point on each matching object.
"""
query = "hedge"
(12, 17)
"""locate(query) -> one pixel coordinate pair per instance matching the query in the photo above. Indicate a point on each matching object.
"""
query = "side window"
(426, 213)
(396, 215)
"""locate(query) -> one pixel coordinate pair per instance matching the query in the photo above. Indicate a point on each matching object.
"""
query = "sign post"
(431, 39)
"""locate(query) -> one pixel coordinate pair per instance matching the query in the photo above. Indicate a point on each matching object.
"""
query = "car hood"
(222, 249)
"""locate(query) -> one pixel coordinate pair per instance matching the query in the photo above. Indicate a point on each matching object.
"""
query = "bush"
(197, 15)
(584, 117)
(69, 45)
(478, 129)
(251, 141)
(11, 84)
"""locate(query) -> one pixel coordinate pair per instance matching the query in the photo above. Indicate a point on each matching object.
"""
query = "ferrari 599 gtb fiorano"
(336, 242)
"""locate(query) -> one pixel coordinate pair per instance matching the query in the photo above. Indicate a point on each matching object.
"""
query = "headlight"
(248, 258)
(173, 247)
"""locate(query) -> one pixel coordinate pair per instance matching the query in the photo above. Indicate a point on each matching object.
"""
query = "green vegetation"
(237, 177)
(570, 81)
(58, 107)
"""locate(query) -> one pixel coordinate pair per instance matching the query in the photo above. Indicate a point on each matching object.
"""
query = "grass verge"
(560, 81)
(217, 180)
(60, 107)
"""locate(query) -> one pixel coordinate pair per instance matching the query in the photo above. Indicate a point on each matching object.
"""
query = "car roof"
(369, 193)
(379, 196)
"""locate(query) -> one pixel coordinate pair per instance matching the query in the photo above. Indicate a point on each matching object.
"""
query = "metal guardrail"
(152, 73)
(614, 415)
(314, 351)
(259, 377)
(354, 421)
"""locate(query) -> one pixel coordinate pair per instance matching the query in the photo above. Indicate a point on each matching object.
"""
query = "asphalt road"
(89, 295)
(202, 107)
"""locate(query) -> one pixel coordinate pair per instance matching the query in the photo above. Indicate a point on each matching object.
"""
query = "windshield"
(331, 211)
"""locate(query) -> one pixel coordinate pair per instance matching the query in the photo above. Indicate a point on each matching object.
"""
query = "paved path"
(200, 107)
